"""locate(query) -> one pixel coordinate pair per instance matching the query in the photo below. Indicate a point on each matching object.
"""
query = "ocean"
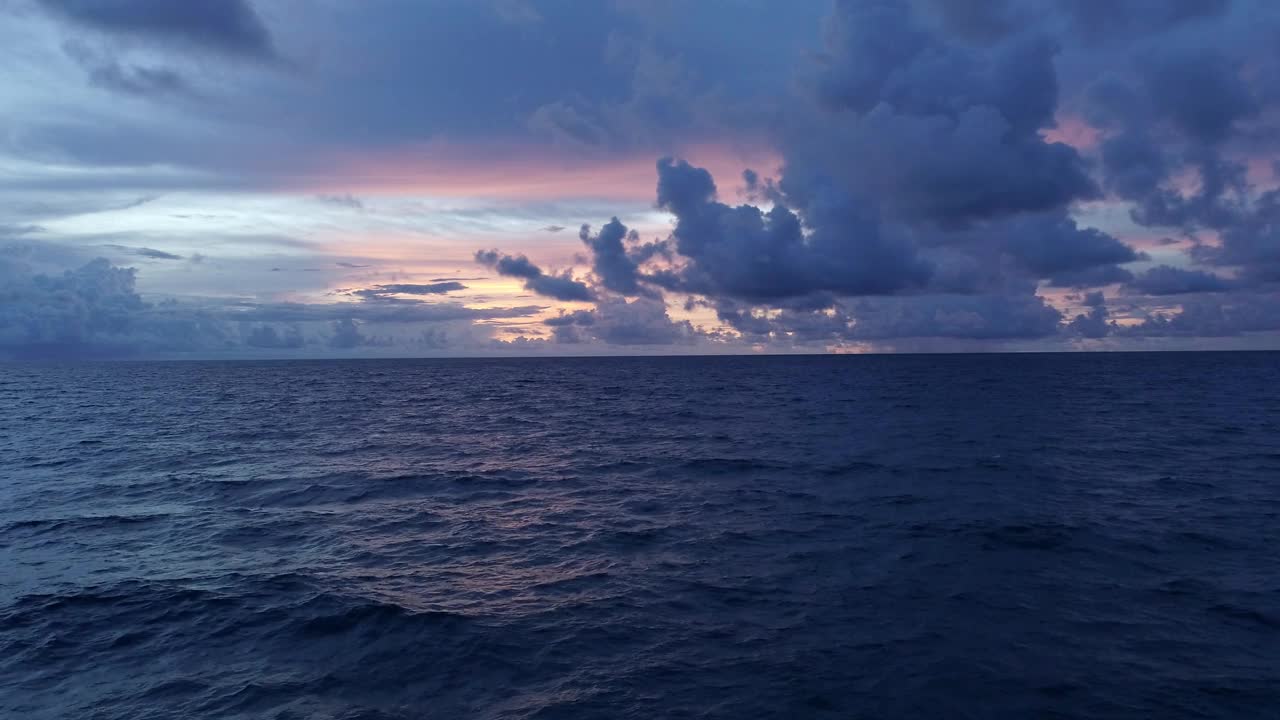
(963, 536)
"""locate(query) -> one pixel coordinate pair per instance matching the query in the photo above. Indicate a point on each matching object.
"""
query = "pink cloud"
(521, 173)
(1074, 131)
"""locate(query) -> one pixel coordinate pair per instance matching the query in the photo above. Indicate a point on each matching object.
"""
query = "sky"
(390, 178)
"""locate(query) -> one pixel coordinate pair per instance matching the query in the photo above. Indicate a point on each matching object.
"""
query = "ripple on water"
(636, 538)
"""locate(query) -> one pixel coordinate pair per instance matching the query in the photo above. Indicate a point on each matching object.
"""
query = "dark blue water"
(829, 537)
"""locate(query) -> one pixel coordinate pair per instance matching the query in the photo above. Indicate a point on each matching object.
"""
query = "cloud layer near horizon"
(876, 174)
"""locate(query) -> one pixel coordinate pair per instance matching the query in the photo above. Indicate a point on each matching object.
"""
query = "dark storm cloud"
(1168, 280)
(1182, 117)
(1253, 243)
(747, 253)
(1134, 164)
(1091, 278)
(940, 130)
(1199, 89)
(843, 248)
(1052, 246)
(227, 26)
(917, 167)
(559, 287)
(614, 265)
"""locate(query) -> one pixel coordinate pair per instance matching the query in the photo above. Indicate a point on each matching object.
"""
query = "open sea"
(962, 536)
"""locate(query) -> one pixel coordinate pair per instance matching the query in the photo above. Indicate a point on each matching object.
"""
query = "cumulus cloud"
(918, 197)
(92, 311)
(95, 311)
(1095, 323)
(616, 255)
(941, 130)
(748, 253)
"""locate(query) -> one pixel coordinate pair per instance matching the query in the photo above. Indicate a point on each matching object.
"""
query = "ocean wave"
(386, 541)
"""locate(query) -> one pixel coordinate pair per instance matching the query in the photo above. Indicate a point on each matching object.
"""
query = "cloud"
(930, 165)
(1168, 280)
(983, 317)
(1054, 245)
(346, 200)
(1210, 316)
(746, 253)
(111, 74)
(1253, 243)
(346, 335)
(559, 287)
(267, 336)
(617, 321)
(95, 311)
(92, 311)
(225, 26)
(1095, 323)
(940, 131)
(1091, 277)
(391, 313)
(438, 288)
(145, 252)
(1199, 89)
(963, 317)
(615, 267)
(388, 293)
